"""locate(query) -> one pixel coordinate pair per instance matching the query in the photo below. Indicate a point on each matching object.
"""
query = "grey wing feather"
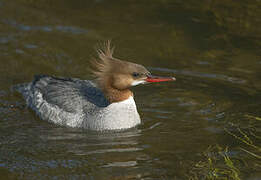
(70, 94)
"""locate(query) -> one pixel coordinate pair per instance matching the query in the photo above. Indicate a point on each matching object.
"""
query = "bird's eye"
(135, 74)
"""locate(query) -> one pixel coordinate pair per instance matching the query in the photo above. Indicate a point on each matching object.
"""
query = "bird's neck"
(113, 94)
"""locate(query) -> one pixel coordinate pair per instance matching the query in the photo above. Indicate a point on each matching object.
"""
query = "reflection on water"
(66, 29)
(88, 143)
(212, 111)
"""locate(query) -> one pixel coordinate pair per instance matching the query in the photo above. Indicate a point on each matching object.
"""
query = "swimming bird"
(104, 103)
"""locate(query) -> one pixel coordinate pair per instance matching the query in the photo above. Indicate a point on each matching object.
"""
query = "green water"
(205, 125)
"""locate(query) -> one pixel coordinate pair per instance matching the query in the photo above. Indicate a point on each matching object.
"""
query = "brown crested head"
(115, 76)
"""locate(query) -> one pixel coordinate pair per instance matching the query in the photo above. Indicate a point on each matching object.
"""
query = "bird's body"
(106, 103)
(78, 103)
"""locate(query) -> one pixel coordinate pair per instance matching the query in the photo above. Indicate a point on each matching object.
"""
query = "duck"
(104, 103)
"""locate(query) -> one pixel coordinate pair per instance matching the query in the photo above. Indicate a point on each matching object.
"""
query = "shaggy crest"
(101, 65)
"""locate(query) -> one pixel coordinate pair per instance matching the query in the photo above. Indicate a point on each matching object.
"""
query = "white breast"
(120, 115)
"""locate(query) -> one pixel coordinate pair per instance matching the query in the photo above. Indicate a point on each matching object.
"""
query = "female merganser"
(105, 103)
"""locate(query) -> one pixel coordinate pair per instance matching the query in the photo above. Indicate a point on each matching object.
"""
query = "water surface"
(211, 47)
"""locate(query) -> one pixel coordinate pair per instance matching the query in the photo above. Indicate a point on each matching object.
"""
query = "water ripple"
(65, 29)
(204, 75)
(103, 151)
(5, 40)
(121, 164)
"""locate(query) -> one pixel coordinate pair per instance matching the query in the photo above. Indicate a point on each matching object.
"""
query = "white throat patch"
(137, 82)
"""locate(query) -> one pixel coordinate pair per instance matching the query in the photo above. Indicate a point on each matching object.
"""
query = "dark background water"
(212, 47)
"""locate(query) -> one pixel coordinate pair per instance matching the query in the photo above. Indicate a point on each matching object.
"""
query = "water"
(211, 47)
